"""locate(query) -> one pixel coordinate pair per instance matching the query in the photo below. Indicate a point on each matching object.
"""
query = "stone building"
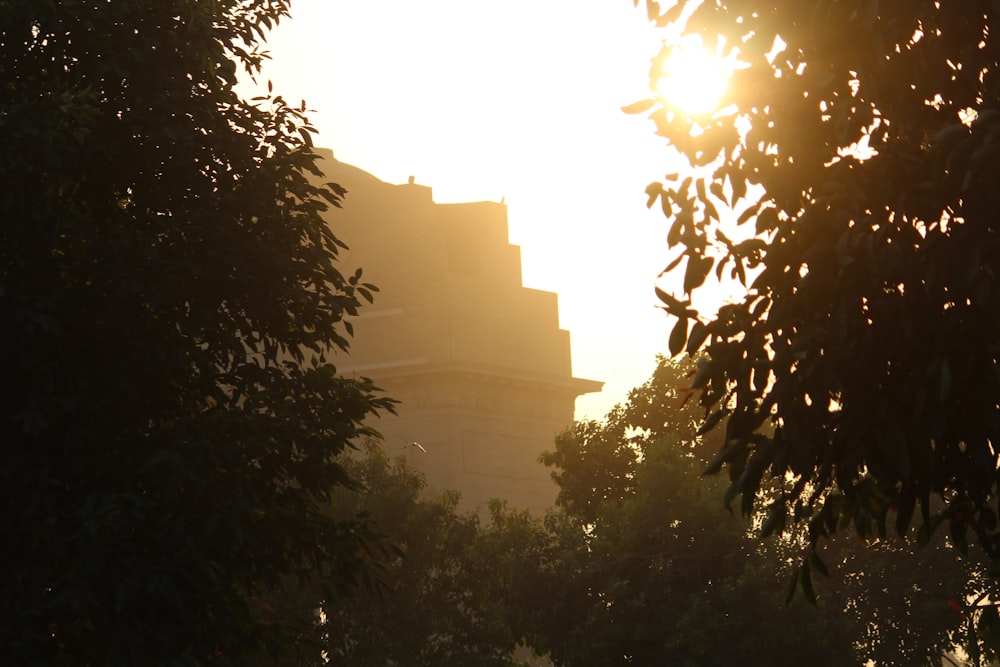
(477, 360)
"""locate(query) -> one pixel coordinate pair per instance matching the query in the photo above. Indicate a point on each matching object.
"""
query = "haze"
(517, 101)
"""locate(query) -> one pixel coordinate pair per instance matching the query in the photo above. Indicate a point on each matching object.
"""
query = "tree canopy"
(170, 294)
(638, 565)
(846, 183)
(444, 594)
(645, 567)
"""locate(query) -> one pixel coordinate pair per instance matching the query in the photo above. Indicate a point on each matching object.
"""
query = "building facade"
(477, 360)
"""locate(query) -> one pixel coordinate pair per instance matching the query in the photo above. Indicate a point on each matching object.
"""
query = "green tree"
(905, 601)
(856, 149)
(645, 567)
(169, 295)
(444, 590)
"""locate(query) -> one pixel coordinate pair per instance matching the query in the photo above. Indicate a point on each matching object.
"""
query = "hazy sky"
(518, 100)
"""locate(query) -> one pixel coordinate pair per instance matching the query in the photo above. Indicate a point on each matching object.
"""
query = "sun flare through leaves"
(690, 77)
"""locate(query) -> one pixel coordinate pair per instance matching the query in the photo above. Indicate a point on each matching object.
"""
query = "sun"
(691, 78)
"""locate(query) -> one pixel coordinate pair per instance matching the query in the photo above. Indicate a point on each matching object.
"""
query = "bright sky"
(518, 100)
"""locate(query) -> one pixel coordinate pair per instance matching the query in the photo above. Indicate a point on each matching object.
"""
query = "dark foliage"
(858, 153)
(444, 595)
(169, 294)
(645, 567)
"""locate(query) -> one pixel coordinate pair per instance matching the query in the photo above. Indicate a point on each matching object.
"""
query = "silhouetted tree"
(857, 147)
(645, 567)
(443, 598)
(169, 297)
(441, 594)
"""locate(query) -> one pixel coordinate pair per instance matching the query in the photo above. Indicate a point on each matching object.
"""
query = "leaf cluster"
(854, 157)
(171, 303)
(443, 582)
(651, 570)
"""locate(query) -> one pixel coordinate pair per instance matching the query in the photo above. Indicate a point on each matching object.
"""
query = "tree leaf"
(639, 107)
(699, 332)
(678, 336)
(792, 586)
(807, 586)
(697, 270)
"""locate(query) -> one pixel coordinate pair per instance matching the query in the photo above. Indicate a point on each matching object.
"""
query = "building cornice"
(422, 369)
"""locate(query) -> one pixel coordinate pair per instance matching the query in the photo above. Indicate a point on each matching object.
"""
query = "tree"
(860, 372)
(170, 295)
(595, 462)
(443, 597)
(652, 571)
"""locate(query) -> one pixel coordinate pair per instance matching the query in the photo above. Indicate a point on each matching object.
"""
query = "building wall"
(478, 361)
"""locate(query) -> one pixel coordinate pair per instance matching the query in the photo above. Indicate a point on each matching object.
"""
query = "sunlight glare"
(693, 79)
